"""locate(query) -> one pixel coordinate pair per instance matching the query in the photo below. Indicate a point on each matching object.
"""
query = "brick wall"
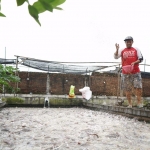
(104, 84)
(146, 86)
(59, 83)
(35, 84)
(100, 83)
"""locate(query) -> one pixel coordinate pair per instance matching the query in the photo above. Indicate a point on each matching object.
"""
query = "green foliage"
(14, 100)
(55, 3)
(7, 76)
(52, 3)
(146, 102)
(4, 99)
(20, 2)
(34, 13)
(38, 7)
(46, 5)
(58, 8)
(11, 90)
(2, 15)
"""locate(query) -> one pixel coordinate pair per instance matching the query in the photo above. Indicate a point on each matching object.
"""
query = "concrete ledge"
(79, 102)
(2, 104)
(132, 112)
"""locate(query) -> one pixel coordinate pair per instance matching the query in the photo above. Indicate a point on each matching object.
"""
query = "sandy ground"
(70, 129)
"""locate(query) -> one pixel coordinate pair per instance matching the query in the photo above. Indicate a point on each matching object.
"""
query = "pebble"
(70, 129)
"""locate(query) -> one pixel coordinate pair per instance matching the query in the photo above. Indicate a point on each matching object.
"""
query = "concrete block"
(148, 113)
(117, 108)
(137, 112)
(100, 106)
(121, 109)
(95, 105)
(26, 100)
(88, 104)
(144, 113)
(128, 111)
(110, 107)
(105, 107)
(84, 103)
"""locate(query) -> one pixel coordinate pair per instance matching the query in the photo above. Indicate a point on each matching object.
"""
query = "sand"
(70, 129)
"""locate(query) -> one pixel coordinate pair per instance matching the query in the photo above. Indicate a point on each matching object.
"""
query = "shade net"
(52, 66)
(7, 61)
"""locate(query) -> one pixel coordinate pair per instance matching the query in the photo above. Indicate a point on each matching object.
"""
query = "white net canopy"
(61, 67)
(7, 61)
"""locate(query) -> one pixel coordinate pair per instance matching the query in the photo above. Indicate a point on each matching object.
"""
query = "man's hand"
(117, 46)
(132, 64)
(136, 62)
(117, 49)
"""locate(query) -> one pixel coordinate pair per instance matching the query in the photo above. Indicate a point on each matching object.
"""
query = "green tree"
(7, 77)
(38, 7)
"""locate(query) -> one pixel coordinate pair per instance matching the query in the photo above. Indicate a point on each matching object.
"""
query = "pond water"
(70, 129)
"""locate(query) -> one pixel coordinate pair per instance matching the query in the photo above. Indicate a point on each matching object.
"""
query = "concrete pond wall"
(107, 104)
(64, 100)
(37, 101)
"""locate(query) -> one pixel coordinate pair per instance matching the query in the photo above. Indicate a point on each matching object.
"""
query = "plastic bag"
(86, 93)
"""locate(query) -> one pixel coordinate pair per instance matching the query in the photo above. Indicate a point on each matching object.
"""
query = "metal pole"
(5, 56)
(144, 65)
(16, 74)
(118, 88)
(84, 81)
(5, 67)
(89, 82)
(86, 84)
(29, 80)
(48, 83)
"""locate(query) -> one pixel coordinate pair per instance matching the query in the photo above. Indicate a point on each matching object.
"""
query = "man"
(131, 56)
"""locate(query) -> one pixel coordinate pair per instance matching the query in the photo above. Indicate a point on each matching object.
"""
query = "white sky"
(86, 30)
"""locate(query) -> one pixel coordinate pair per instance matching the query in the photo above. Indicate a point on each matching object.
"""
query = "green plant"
(38, 7)
(4, 99)
(7, 76)
(146, 102)
(14, 100)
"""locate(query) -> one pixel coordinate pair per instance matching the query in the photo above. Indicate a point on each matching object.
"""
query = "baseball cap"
(128, 38)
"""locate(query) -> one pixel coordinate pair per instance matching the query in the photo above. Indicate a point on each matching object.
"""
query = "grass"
(13, 100)
(134, 102)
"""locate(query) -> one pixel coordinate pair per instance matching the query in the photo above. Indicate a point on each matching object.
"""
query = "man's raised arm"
(117, 54)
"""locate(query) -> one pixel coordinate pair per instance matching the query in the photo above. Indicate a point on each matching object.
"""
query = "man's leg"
(139, 95)
(138, 88)
(128, 95)
(127, 86)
